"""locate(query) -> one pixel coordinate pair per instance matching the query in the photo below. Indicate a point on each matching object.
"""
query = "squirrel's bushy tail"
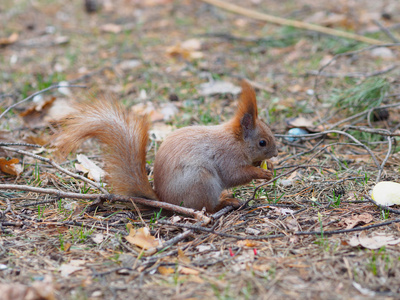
(124, 137)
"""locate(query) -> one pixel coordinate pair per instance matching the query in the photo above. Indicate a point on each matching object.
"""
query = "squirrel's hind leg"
(226, 199)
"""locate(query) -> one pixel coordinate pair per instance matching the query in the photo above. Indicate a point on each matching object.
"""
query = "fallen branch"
(382, 207)
(298, 24)
(113, 198)
(271, 236)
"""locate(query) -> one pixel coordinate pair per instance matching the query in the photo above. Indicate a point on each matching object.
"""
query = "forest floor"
(313, 233)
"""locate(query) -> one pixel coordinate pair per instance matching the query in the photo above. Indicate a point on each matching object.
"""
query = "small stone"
(97, 294)
(382, 52)
(286, 182)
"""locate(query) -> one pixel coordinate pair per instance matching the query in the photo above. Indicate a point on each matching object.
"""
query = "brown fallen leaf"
(111, 28)
(248, 243)
(10, 166)
(300, 122)
(182, 257)
(34, 116)
(188, 49)
(9, 40)
(353, 221)
(188, 271)
(87, 166)
(72, 267)
(59, 110)
(165, 270)
(141, 238)
(31, 139)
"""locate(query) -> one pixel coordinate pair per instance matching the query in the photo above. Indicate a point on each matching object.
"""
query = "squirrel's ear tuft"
(246, 115)
(248, 102)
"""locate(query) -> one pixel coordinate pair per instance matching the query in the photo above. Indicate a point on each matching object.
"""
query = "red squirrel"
(193, 166)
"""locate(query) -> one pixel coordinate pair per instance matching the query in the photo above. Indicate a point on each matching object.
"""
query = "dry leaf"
(141, 238)
(248, 243)
(168, 110)
(188, 271)
(72, 267)
(10, 166)
(296, 88)
(373, 242)
(149, 109)
(34, 116)
(9, 40)
(182, 257)
(218, 87)
(87, 166)
(165, 270)
(31, 139)
(299, 122)
(98, 238)
(353, 221)
(160, 132)
(187, 50)
(111, 28)
(59, 110)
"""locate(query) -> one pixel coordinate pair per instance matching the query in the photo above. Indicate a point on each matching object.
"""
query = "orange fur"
(247, 105)
(124, 137)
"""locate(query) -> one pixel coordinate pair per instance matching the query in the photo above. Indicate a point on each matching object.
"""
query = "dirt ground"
(313, 233)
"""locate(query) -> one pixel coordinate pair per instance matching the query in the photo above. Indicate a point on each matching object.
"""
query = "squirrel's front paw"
(267, 175)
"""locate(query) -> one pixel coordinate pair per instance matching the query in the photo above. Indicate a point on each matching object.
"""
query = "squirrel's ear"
(248, 102)
(246, 115)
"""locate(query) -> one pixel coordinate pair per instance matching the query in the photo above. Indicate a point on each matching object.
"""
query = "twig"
(8, 209)
(174, 240)
(37, 93)
(20, 144)
(346, 230)
(113, 198)
(304, 152)
(294, 23)
(338, 132)
(353, 75)
(386, 31)
(364, 113)
(38, 203)
(222, 212)
(383, 132)
(350, 53)
(382, 207)
(58, 167)
(238, 237)
(385, 159)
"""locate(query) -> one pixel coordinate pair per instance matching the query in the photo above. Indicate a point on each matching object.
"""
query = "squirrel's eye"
(263, 143)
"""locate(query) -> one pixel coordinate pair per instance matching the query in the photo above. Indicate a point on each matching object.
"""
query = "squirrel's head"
(255, 133)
